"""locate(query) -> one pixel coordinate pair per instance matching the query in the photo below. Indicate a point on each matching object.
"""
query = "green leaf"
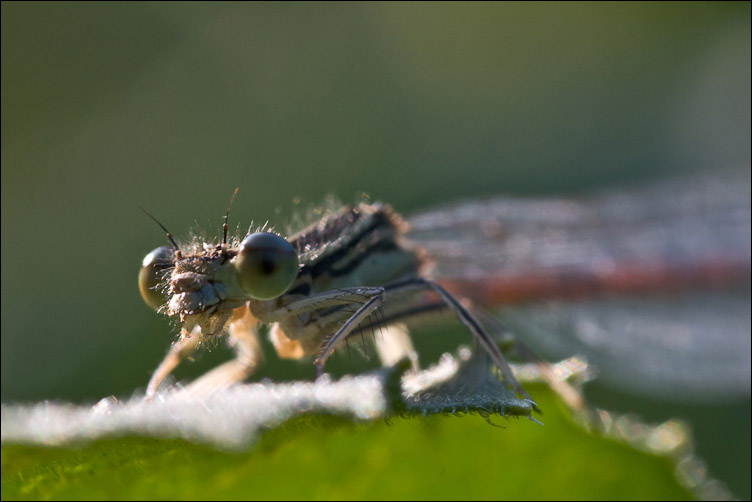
(327, 457)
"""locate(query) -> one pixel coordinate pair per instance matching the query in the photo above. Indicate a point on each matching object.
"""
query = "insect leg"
(320, 301)
(409, 314)
(570, 394)
(361, 314)
(243, 338)
(295, 334)
(468, 320)
(184, 347)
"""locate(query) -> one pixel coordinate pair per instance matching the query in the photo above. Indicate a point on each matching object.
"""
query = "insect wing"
(652, 285)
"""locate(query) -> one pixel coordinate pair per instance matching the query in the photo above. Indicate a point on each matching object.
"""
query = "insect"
(314, 288)
(640, 280)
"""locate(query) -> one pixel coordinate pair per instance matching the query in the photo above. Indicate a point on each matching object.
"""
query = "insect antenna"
(169, 235)
(227, 216)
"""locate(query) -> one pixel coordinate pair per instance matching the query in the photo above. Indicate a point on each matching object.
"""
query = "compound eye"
(266, 265)
(152, 272)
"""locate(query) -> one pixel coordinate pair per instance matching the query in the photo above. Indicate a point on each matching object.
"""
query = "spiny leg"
(550, 373)
(570, 394)
(319, 301)
(361, 314)
(503, 335)
(469, 321)
(294, 335)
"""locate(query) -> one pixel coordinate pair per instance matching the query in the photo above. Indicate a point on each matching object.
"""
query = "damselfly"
(314, 288)
(318, 286)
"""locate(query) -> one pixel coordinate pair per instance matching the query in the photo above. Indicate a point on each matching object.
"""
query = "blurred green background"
(110, 106)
